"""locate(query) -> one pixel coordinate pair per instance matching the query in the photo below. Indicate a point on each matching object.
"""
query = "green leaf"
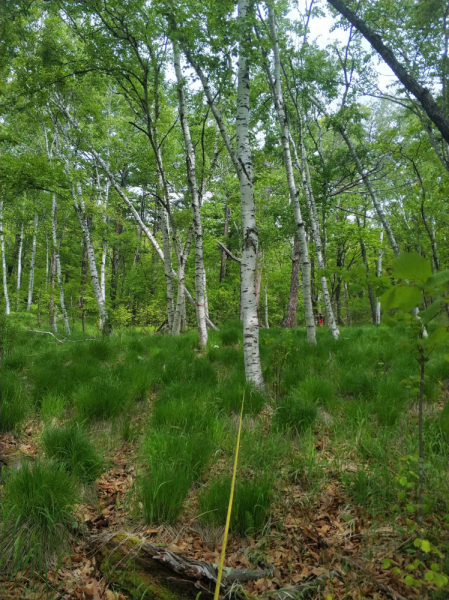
(427, 315)
(429, 576)
(439, 336)
(409, 580)
(396, 571)
(355, 288)
(389, 321)
(401, 296)
(386, 563)
(410, 508)
(425, 545)
(440, 580)
(435, 567)
(437, 279)
(410, 265)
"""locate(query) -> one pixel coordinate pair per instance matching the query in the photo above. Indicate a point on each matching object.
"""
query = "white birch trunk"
(293, 191)
(167, 260)
(47, 263)
(267, 325)
(78, 202)
(253, 369)
(55, 317)
(181, 302)
(310, 200)
(32, 263)
(19, 268)
(197, 228)
(103, 271)
(376, 202)
(379, 273)
(2, 243)
(54, 210)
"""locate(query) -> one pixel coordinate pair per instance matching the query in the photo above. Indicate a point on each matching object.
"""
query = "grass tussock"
(36, 515)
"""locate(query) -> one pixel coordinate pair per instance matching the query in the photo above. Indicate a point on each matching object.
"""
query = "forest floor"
(320, 497)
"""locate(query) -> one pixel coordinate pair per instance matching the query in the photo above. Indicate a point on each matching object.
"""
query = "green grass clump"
(174, 462)
(36, 515)
(102, 398)
(14, 403)
(251, 505)
(72, 448)
(230, 333)
(295, 413)
(229, 397)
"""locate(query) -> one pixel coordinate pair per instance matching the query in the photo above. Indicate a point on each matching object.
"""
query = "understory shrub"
(36, 515)
(72, 448)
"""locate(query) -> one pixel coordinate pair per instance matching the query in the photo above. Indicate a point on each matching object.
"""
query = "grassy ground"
(324, 455)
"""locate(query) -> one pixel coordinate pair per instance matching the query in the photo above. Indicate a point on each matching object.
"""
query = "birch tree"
(4, 271)
(32, 262)
(57, 259)
(19, 266)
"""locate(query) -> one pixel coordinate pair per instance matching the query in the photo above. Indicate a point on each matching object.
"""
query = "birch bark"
(80, 209)
(2, 244)
(54, 212)
(197, 228)
(19, 267)
(253, 369)
(180, 304)
(278, 98)
(310, 200)
(379, 273)
(32, 262)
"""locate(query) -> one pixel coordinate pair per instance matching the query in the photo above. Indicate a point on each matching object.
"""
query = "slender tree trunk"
(348, 312)
(290, 319)
(197, 228)
(78, 201)
(365, 262)
(32, 263)
(55, 317)
(267, 325)
(310, 200)
(19, 267)
(278, 98)
(379, 273)
(54, 212)
(51, 307)
(259, 268)
(376, 202)
(103, 271)
(225, 235)
(115, 265)
(167, 259)
(253, 369)
(39, 307)
(180, 304)
(47, 264)
(4, 271)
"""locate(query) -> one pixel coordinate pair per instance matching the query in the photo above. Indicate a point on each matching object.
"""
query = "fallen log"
(153, 572)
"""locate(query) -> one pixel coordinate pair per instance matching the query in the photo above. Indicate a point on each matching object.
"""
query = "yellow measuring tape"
(231, 497)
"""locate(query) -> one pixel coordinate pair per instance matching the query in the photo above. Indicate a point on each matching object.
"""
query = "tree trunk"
(167, 260)
(19, 267)
(4, 271)
(259, 267)
(225, 235)
(278, 98)
(51, 307)
(376, 202)
(197, 228)
(180, 303)
(253, 369)
(290, 319)
(310, 200)
(348, 312)
(32, 263)
(421, 93)
(47, 264)
(115, 265)
(78, 201)
(379, 273)
(39, 307)
(54, 211)
(365, 262)
(267, 325)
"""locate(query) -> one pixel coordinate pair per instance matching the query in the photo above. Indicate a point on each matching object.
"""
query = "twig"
(385, 588)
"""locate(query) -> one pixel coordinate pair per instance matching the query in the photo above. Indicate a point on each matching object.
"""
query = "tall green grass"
(36, 515)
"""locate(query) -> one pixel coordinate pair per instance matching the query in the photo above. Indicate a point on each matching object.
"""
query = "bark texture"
(54, 211)
(4, 271)
(19, 267)
(278, 98)
(290, 319)
(32, 263)
(195, 203)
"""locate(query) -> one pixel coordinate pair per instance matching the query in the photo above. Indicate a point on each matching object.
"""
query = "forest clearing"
(224, 319)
